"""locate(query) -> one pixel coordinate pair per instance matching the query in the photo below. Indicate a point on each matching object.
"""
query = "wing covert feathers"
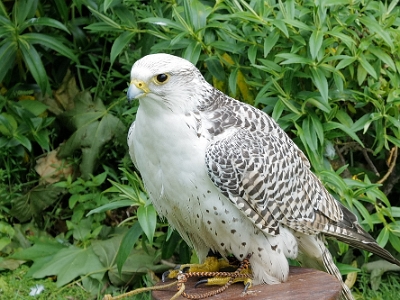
(259, 169)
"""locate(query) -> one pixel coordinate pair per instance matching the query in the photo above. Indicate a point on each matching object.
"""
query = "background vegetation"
(72, 209)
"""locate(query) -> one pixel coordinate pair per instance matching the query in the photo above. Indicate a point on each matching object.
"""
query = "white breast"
(171, 159)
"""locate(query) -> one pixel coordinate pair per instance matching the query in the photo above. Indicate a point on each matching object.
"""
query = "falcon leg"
(211, 264)
(241, 274)
(211, 269)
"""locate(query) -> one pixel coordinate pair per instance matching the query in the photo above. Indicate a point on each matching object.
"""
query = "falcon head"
(166, 79)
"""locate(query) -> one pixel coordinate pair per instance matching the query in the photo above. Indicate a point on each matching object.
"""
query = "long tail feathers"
(350, 232)
(314, 254)
(333, 270)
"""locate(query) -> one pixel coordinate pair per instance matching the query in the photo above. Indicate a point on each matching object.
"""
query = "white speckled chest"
(171, 158)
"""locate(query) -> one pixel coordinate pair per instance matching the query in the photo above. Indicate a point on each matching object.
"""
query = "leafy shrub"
(327, 71)
(18, 42)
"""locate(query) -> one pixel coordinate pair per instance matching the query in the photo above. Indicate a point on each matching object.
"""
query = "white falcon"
(229, 179)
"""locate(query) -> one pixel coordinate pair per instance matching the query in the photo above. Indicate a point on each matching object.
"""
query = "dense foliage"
(71, 204)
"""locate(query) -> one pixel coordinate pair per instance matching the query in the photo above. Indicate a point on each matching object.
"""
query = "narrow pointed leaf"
(315, 44)
(320, 82)
(147, 217)
(119, 44)
(44, 21)
(127, 244)
(34, 63)
(51, 42)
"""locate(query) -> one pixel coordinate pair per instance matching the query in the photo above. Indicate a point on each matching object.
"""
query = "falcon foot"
(221, 278)
(211, 264)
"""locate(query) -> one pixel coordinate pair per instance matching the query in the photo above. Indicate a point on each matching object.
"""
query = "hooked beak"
(137, 89)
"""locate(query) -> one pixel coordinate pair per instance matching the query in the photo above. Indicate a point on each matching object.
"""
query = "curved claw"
(246, 287)
(201, 281)
(172, 273)
(164, 276)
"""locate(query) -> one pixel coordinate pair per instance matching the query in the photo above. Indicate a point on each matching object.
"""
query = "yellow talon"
(211, 264)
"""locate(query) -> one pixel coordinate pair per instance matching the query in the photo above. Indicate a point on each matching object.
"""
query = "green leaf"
(280, 24)
(320, 81)
(367, 66)
(330, 125)
(393, 140)
(335, 2)
(62, 9)
(69, 263)
(270, 42)
(129, 192)
(278, 110)
(42, 137)
(41, 248)
(215, 67)
(119, 44)
(298, 24)
(192, 52)
(147, 218)
(43, 21)
(361, 74)
(291, 58)
(344, 118)
(382, 56)
(7, 57)
(289, 104)
(374, 26)
(252, 53)
(34, 106)
(23, 9)
(164, 22)
(109, 3)
(34, 63)
(345, 62)
(50, 42)
(364, 212)
(319, 104)
(8, 124)
(233, 80)
(102, 27)
(139, 262)
(23, 140)
(197, 13)
(97, 180)
(309, 135)
(110, 206)
(394, 241)
(81, 230)
(6, 24)
(346, 269)
(230, 47)
(127, 16)
(360, 123)
(315, 43)
(317, 127)
(337, 32)
(127, 244)
(35, 201)
(94, 126)
(383, 237)
(104, 18)
(170, 243)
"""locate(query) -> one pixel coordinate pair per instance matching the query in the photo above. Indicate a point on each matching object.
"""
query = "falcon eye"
(161, 78)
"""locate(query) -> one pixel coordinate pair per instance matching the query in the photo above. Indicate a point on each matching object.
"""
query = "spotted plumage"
(229, 179)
